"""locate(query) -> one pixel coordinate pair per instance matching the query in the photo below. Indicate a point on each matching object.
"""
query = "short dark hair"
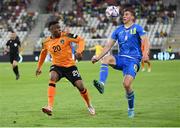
(131, 10)
(52, 23)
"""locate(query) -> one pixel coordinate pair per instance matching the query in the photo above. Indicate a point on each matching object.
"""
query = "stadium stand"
(89, 20)
(14, 17)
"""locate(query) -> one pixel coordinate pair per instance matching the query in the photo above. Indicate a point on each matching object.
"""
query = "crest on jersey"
(133, 31)
(135, 67)
(62, 41)
(15, 44)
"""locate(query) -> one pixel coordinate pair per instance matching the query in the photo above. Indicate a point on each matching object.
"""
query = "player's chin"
(56, 34)
(125, 20)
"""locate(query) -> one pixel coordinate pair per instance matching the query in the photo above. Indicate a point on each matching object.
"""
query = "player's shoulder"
(119, 28)
(46, 40)
(137, 26)
(71, 35)
(7, 42)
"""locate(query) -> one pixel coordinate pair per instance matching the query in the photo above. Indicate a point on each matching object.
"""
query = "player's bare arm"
(80, 45)
(41, 61)
(106, 49)
(145, 53)
(6, 50)
(80, 49)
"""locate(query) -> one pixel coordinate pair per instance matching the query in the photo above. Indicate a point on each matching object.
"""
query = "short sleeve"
(7, 44)
(73, 38)
(114, 35)
(140, 30)
(19, 43)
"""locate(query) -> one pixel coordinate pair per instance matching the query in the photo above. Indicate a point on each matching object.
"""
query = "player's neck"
(55, 36)
(129, 24)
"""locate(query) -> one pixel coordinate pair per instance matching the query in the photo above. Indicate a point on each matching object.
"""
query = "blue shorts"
(129, 66)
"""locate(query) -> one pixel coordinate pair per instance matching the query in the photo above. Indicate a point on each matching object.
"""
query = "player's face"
(55, 30)
(127, 17)
(13, 36)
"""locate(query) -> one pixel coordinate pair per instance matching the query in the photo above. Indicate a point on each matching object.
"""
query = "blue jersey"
(129, 40)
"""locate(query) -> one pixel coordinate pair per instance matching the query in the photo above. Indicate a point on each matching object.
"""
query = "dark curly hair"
(52, 23)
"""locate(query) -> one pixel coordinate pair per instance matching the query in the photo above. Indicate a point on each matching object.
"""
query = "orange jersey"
(60, 49)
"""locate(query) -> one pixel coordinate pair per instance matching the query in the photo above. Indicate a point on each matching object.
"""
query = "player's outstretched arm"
(146, 44)
(6, 50)
(106, 49)
(41, 61)
(80, 47)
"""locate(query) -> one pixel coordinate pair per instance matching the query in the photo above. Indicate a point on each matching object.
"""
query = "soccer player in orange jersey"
(63, 65)
(147, 61)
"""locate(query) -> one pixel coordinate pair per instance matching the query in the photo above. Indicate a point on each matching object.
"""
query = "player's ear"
(134, 19)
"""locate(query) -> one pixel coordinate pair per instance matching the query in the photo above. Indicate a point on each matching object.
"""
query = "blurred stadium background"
(157, 93)
(29, 19)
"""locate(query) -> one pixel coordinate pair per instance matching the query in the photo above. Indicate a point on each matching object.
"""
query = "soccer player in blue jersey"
(129, 36)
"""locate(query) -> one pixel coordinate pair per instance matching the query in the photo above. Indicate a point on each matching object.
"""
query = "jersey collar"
(128, 27)
(56, 37)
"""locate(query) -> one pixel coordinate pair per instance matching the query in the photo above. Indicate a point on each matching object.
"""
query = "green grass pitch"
(157, 98)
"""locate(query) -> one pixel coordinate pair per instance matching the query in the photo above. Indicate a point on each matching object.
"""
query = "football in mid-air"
(112, 11)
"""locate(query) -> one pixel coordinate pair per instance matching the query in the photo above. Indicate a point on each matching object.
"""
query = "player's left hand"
(38, 72)
(78, 56)
(5, 53)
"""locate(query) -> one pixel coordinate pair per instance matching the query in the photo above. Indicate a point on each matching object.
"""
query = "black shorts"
(13, 57)
(71, 73)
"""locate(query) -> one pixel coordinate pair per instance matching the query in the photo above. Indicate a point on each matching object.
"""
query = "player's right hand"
(38, 72)
(94, 59)
(78, 56)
